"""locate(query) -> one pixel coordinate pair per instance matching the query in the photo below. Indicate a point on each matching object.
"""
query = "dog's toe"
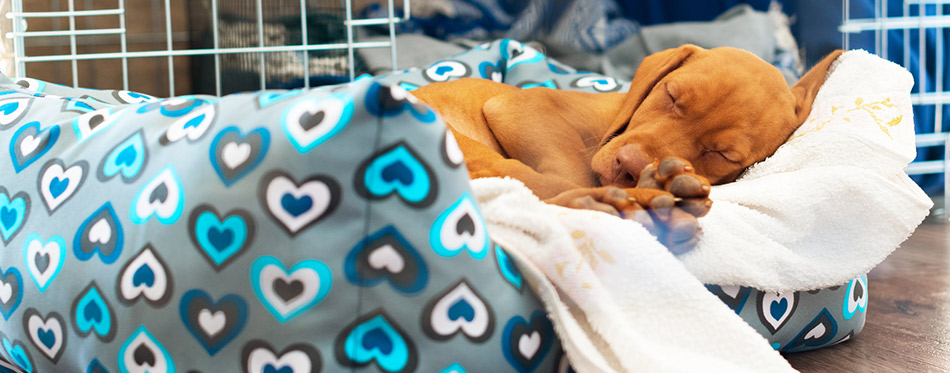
(688, 186)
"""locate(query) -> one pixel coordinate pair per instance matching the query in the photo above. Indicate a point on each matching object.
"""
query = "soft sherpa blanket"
(828, 206)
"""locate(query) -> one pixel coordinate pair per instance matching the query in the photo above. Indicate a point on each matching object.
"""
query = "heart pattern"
(221, 239)
(819, 332)
(390, 101)
(48, 334)
(143, 353)
(297, 206)
(234, 154)
(12, 110)
(598, 83)
(91, 314)
(129, 97)
(162, 197)
(732, 295)
(374, 339)
(127, 159)
(460, 228)
(398, 170)
(259, 356)
(92, 123)
(43, 260)
(17, 353)
(100, 235)
(775, 309)
(286, 294)
(444, 71)
(492, 71)
(191, 125)
(524, 343)
(265, 99)
(14, 211)
(856, 299)
(30, 143)
(515, 53)
(11, 291)
(458, 309)
(310, 122)
(145, 276)
(508, 269)
(451, 153)
(58, 183)
(213, 323)
(386, 256)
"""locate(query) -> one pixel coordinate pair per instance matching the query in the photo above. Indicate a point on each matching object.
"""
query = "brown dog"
(707, 114)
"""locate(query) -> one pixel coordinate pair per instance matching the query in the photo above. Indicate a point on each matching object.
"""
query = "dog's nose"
(630, 161)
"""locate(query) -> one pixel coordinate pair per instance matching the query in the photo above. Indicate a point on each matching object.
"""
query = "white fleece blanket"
(831, 204)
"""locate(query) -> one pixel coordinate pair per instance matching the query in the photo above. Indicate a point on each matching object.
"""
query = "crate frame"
(19, 34)
(930, 16)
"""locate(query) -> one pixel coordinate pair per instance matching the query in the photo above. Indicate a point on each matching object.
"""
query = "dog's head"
(722, 109)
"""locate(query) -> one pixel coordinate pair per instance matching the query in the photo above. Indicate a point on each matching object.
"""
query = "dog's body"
(707, 114)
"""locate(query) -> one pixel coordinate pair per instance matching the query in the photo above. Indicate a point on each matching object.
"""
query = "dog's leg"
(667, 201)
(482, 161)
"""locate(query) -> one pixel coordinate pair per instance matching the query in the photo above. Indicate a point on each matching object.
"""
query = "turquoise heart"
(375, 339)
(92, 313)
(220, 239)
(18, 354)
(12, 214)
(398, 170)
(127, 158)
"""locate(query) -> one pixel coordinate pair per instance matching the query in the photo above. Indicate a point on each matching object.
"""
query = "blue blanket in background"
(594, 26)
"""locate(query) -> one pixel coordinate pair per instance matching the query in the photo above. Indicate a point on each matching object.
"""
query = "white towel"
(828, 206)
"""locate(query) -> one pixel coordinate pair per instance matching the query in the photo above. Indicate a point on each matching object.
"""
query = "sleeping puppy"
(692, 118)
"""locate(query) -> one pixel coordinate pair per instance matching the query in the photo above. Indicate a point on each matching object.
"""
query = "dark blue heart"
(9, 108)
(47, 337)
(220, 238)
(462, 309)
(92, 312)
(57, 186)
(441, 70)
(296, 206)
(777, 309)
(269, 368)
(7, 217)
(143, 275)
(378, 339)
(126, 157)
(194, 122)
(398, 171)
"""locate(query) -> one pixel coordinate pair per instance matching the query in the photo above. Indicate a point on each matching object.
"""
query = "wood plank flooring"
(908, 320)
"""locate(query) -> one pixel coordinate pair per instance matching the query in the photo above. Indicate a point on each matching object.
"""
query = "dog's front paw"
(671, 216)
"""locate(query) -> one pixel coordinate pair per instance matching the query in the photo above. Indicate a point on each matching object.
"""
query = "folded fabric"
(827, 207)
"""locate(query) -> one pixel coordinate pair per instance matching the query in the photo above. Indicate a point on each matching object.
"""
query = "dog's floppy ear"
(651, 71)
(807, 87)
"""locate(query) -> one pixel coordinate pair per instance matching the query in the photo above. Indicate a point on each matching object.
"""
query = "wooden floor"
(908, 320)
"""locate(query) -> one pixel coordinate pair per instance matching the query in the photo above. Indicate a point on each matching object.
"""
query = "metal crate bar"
(196, 52)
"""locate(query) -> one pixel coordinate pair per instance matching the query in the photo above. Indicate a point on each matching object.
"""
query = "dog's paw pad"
(678, 177)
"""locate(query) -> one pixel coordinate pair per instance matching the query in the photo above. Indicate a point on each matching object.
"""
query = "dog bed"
(287, 230)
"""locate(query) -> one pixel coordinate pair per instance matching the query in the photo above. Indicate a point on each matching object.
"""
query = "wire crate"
(914, 34)
(185, 47)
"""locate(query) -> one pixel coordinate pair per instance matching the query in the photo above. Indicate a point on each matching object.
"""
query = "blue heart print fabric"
(278, 231)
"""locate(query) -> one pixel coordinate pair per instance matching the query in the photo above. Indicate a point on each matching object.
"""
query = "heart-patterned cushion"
(282, 231)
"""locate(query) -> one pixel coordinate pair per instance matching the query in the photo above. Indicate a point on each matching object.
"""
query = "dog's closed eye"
(727, 155)
(673, 99)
